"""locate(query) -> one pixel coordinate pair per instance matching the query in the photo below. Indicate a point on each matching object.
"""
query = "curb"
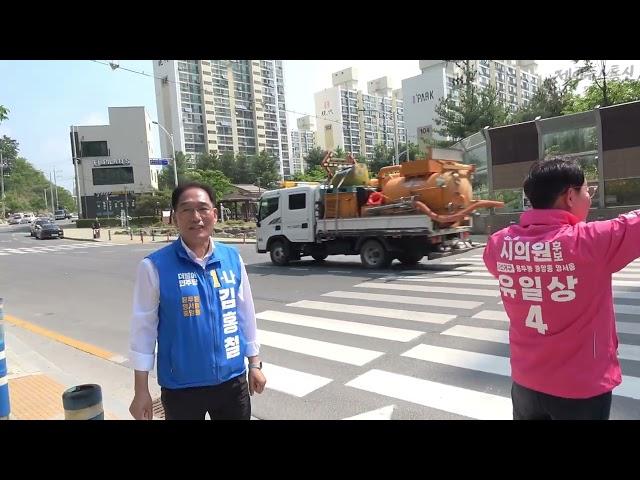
(115, 239)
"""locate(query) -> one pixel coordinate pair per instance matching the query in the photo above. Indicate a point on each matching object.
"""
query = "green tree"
(414, 152)
(25, 186)
(166, 180)
(243, 172)
(550, 100)
(228, 164)
(314, 158)
(265, 170)
(597, 72)
(214, 178)
(148, 205)
(315, 174)
(618, 91)
(208, 161)
(9, 150)
(474, 109)
(4, 111)
(382, 157)
(339, 152)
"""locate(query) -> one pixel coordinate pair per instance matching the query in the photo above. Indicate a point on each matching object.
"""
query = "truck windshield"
(267, 207)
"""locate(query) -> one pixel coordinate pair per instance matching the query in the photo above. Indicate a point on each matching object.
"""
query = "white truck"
(290, 226)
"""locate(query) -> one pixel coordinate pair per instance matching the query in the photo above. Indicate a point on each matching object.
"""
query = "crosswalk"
(435, 340)
(55, 248)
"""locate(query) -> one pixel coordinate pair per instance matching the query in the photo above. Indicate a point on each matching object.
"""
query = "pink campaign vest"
(554, 275)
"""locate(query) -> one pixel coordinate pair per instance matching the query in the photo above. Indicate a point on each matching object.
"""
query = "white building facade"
(357, 121)
(302, 140)
(113, 162)
(223, 105)
(516, 81)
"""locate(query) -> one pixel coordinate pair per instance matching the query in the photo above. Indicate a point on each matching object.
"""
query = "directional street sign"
(159, 161)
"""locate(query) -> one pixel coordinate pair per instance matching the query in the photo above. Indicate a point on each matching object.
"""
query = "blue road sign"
(159, 161)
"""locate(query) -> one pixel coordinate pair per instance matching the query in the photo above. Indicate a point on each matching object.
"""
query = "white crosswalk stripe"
(67, 247)
(318, 348)
(431, 289)
(375, 297)
(354, 328)
(500, 315)
(441, 304)
(626, 295)
(479, 333)
(495, 364)
(627, 327)
(461, 401)
(461, 358)
(458, 266)
(458, 280)
(412, 315)
(293, 382)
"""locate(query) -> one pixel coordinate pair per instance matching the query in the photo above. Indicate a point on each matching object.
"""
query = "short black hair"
(550, 178)
(180, 189)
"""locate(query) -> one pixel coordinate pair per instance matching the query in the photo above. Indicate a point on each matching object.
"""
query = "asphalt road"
(337, 340)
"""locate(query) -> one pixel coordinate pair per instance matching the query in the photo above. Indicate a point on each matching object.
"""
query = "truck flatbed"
(384, 224)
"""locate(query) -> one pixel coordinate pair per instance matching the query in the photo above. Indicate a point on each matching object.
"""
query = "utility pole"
(55, 183)
(126, 206)
(395, 132)
(53, 211)
(74, 157)
(46, 203)
(2, 184)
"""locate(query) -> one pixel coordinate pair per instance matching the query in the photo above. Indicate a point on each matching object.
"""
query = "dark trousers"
(532, 405)
(228, 401)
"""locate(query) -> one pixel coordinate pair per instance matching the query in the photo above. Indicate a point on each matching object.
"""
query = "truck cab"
(286, 216)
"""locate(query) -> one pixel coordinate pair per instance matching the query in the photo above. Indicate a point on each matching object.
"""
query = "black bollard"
(83, 402)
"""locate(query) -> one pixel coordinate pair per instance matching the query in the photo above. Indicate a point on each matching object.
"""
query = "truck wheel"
(320, 257)
(410, 258)
(374, 255)
(280, 254)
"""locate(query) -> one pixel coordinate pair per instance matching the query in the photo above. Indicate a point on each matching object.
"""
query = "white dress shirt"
(146, 299)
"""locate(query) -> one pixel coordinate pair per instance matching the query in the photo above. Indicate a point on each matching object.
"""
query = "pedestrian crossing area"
(433, 341)
(55, 248)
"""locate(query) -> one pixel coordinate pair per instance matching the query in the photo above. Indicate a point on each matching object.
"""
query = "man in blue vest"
(193, 297)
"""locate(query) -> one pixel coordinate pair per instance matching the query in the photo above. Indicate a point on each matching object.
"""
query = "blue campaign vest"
(199, 338)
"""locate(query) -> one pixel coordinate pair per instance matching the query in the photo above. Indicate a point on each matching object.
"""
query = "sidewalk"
(72, 233)
(40, 369)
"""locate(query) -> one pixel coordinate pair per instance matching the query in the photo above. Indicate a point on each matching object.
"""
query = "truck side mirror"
(257, 224)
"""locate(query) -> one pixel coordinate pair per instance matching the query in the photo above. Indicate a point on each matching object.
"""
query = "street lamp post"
(2, 185)
(74, 156)
(173, 153)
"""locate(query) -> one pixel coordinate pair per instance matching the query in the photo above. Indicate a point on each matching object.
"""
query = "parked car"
(15, 218)
(49, 230)
(27, 218)
(37, 225)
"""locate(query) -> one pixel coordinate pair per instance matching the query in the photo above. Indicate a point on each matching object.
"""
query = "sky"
(46, 97)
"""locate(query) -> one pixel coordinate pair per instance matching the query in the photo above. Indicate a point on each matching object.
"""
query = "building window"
(94, 149)
(112, 175)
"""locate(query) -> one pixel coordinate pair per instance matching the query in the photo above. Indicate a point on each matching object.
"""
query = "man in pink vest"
(554, 272)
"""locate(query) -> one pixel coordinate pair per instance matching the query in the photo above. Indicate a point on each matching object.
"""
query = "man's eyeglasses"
(591, 190)
(202, 211)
